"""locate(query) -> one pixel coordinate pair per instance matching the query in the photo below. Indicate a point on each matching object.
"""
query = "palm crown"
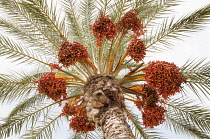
(81, 46)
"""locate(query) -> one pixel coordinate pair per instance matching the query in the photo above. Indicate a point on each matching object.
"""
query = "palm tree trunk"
(115, 126)
(104, 103)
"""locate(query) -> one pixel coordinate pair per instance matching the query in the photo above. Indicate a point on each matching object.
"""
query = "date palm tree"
(89, 70)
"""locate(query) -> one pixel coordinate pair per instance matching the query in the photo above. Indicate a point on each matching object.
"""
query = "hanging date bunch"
(152, 114)
(54, 88)
(130, 21)
(78, 120)
(81, 124)
(103, 28)
(70, 53)
(136, 49)
(164, 77)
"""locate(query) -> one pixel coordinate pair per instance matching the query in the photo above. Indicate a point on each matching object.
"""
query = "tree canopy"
(68, 41)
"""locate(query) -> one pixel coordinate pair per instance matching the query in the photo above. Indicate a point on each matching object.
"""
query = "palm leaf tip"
(194, 118)
(197, 76)
(176, 30)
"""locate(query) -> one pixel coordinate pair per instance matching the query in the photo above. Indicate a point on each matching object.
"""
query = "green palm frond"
(185, 129)
(24, 119)
(11, 91)
(88, 13)
(116, 9)
(30, 117)
(186, 117)
(11, 27)
(105, 5)
(197, 74)
(25, 16)
(72, 21)
(96, 135)
(170, 30)
(17, 88)
(18, 52)
(156, 9)
(32, 11)
(27, 104)
(50, 16)
(87, 10)
(32, 102)
(45, 129)
(24, 33)
(90, 135)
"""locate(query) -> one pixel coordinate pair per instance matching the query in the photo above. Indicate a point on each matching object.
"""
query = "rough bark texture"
(114, 125)
(104, 103)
